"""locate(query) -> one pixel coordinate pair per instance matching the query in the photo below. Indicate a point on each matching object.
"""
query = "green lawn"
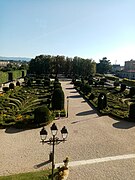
(39, 175)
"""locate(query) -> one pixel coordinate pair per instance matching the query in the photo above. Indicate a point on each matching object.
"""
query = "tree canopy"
(46, 64)
(104, 66)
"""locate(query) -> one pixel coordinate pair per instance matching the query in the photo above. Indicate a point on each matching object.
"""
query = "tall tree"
(104, 66)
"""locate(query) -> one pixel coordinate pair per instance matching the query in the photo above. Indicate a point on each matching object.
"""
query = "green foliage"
(132, 112)
(104, 66)
(11, 86)
(57, 84)
(128, 82)
(46, 64)
(86, 89)
(92, 96)
(39, 175)
(58, 99)
(116, 83)
(17, 83)
(102, 101)
(5, 89)
(77, 83)
(132, 91)
(42, 115)
(123, 87)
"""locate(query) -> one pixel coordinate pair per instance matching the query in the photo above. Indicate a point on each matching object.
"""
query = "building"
(116, 67)
(129, 65)
(4, 63)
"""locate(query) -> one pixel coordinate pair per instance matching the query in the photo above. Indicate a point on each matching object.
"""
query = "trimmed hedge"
(58, 99)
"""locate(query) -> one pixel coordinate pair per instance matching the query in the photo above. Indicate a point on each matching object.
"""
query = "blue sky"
(84, 28)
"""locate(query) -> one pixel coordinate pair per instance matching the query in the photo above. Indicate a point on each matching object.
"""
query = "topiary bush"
(10, 76)
(5, 89)
(11, 86)
(123, 87)
(57, 84)
(86, 89)
(132, 91)
(58, 99)
(102, 101)
(42, 115)
(132, 112)
(92, 96)
(17, 83)
(116, 83)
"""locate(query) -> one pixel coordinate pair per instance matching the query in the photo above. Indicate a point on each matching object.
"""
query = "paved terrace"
(99, 148)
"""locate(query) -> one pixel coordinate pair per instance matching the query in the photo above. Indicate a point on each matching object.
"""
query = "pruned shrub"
(116, 83)
(17, 83)
(123, 87)
(86, 89)
(11, 86)
(102, 101)
(57, 85)
(92, 96)
(47, 83)
(10, 76)
(77, 83)
(42, 115)
(132, 91)
(132, 112)
(5, 89)
(58, 99)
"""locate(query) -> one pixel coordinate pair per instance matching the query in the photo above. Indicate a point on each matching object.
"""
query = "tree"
(58, 99)
(42, 115)
(104, 66)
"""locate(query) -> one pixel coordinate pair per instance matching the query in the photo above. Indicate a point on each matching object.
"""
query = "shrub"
(92, 96)
(57, 84)
(17, 83)
(42, 115)
(11, 86)
(90, 81)
(47, 83)
(58, 99)
(132, 112)
(77, 83)
(10, 76)
(5, 89)
(38, 81)
(116, 83)
(123, 87)
(102, 101)
(132, 91)
(86, 89)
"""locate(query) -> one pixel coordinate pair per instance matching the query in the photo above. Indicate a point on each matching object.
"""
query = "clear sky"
(84, 28)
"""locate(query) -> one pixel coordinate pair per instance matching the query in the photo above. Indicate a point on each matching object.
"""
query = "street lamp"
(67, 105)
(53, 141)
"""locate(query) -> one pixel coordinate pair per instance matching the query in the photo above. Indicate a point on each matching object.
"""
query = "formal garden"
(109, 99)
(36, 102)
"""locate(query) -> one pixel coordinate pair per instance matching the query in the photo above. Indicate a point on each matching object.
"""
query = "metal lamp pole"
(67, 105)
(53, 141)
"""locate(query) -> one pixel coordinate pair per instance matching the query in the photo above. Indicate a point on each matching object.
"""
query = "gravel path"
(90, 137)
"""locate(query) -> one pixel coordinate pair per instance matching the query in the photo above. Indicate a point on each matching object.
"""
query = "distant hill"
(15, 58)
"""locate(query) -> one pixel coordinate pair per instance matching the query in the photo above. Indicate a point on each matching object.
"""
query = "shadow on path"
(11, 130)
(85, 113)
(124, 124)
(41, 164)
(76, 96)
(70, 88)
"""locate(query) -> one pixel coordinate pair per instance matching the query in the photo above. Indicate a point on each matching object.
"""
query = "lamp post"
(53, 141)
(67, 105)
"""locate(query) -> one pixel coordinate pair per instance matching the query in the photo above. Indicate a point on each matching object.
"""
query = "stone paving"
(90, 137)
